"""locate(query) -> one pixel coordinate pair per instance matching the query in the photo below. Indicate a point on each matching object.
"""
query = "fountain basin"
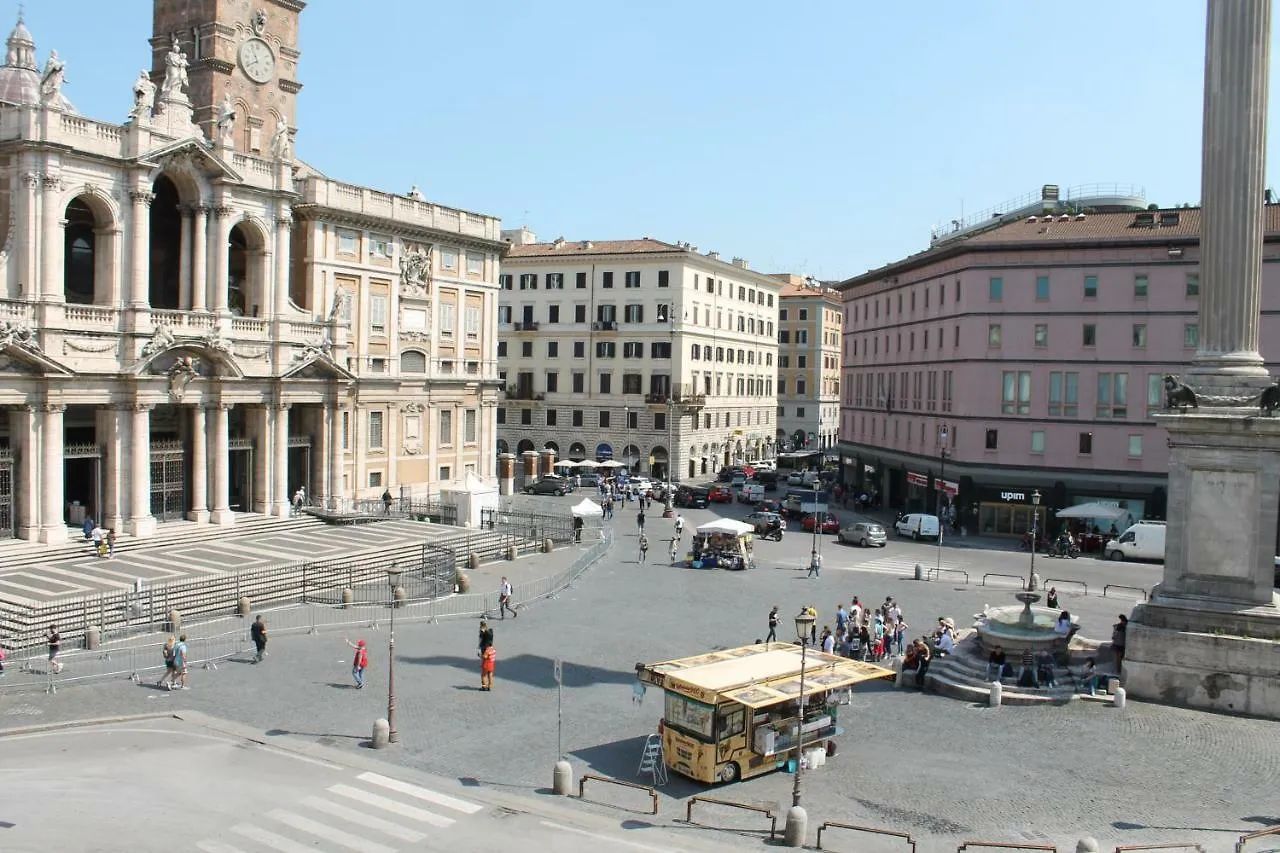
(1020, 627)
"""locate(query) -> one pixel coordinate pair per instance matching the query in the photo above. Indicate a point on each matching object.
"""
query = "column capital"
(137, 407)
(53, 408)
(222, 211)
(200, 211)
(280, 405)
(51, 182)
(284, 223)
(217, 406)
(30, 180)
(142, 198)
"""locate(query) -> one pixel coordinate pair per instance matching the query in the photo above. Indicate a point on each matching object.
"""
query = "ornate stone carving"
(216, 342)
(251, 352)
(259, 22)
(413, 408)
(281, 144)
(53, 408)
(412, 449)
(30, 180)
(322, 349)
(222, 212)
(415, 335)
(51, 181)
(142, 197)
(144, 97)
(89, 345)
(183, 370)
(174, 87)
(340, 297)
(284, 222)
(18, 335)
(161, 340)
(415, 273)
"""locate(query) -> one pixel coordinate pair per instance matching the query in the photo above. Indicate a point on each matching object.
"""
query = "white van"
(1142, 541)
(751, 493)
(918, 525)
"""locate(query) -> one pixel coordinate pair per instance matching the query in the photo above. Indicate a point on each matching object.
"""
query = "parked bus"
(732, 714)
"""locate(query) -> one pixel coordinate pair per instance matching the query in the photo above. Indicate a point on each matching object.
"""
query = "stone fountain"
(1015, 628)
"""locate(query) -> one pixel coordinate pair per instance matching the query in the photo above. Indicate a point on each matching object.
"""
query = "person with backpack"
(359, 663)
(180, 662)
(170, 674)
(258, 633)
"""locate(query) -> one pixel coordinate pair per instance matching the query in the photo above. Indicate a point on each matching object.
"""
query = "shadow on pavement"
(533, 670)
(621, 760)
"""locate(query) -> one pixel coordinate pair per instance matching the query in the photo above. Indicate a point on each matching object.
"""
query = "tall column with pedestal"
(51, 240)
(112, 440)
(1210, 634)
(284, 224)
(28, 224)
(280, 492)
(141, 521)
(219, 238)
(548, 462)
(506, 473)
(140, 252)
(530, 470)
(199, 257)
(199, 466)
(53, 524)
(24, 433)
(219, 468)
(336, 457)
(184, 254)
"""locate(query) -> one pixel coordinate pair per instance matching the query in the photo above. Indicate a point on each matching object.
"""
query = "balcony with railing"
(515, 392)
(349, 198)
(526, 326)
(684, 396)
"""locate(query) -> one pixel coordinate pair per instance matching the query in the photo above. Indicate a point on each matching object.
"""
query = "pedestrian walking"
(359, 663)
(486, 638)
(55, 646)
(1118, 632)
(180, 661)
(773, 625)
(815, 565)
(170, 675)
(675, 549)
(504, 600)
(679, 526)
(386, 501)
(87, 527)
(488, 663)
(644, 548)
(258, 633)
(640, 520)
(98, 537)
(111, 542)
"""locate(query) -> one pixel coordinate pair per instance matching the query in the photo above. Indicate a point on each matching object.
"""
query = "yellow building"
(810, 322)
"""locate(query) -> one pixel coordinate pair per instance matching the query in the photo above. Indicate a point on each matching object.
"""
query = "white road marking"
(412, 812)
(421, 793)
(348, 840)
(635, 844)
(304, 758)
(270, 839)
(386, 827)
(211, 846)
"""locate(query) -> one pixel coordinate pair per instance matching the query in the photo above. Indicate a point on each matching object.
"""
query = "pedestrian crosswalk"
(902, 566)
(368, 813)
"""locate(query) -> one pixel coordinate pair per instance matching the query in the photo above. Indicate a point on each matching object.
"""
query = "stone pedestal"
(548, 466)
(530, 460)
(506, 473)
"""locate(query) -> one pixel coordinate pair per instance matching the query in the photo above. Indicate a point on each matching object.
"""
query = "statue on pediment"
(175, 83)
(144, 96)
(321, 349)
(51, 81)
(226, 121)
(19, 335)
(161, 339)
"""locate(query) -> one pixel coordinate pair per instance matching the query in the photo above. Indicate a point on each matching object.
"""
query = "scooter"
(1070, 549)
(774, 533)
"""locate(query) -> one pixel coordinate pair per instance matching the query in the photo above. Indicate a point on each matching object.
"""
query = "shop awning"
(817, 679)
(1092, 510)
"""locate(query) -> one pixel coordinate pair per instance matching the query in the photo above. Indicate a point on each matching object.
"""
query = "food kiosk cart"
(722, 544)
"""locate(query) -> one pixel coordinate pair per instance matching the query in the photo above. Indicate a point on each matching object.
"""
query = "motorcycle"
(774, 533)
(1064, 548)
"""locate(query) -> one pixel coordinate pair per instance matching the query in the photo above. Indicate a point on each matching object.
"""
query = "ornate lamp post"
(941, 489)
(393, 577)
(797, 820)
(1035, 527)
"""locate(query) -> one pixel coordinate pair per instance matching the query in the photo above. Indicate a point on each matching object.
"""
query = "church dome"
(19, 76)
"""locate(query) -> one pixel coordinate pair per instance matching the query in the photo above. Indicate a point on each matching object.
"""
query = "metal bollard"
(548, 546)
(174, 621)
(348, 597)
(243, 607)
(1118, 698)
(399, 596)
(996, 696)
(562, 779)
(512, 552)
(919, 572)
(473, 561)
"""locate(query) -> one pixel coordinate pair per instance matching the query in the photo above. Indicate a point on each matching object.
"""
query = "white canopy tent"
(565, 463)
(588, 509)
(610, 463)
(1092, 509)
(726, 526)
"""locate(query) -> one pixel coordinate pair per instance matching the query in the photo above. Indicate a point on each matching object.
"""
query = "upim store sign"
(1013, 497)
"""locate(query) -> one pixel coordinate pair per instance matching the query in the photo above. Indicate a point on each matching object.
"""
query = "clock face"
(257, 61)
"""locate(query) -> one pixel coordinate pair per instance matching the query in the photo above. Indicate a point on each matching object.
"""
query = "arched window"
(166, 242)
(412, 361)
(79, 259)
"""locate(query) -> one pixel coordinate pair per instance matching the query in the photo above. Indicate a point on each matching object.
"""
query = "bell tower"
(244, 49)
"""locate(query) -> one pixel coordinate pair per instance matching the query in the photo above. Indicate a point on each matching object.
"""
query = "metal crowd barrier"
(764, 810)
(582, 784)
(1246, 838)
(1056, 581)
(1174, 846)
(831, 824)
(1019, 578)
(1000, 845)
(1122, 586)
(938, 571)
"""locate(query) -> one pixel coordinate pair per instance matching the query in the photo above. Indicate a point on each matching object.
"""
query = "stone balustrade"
(353, 199)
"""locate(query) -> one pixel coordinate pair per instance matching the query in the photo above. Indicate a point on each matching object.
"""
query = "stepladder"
(652, 760)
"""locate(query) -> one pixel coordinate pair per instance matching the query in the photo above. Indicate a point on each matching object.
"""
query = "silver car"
(864, 533)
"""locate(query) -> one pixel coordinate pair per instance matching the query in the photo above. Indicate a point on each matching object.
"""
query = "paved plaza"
(89, 574)
(941, 769)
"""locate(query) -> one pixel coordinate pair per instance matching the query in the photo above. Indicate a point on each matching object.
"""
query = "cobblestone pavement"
(938, 768)
(163, 784)
(88, 574)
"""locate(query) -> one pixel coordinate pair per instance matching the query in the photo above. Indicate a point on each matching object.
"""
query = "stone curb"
(80, 724)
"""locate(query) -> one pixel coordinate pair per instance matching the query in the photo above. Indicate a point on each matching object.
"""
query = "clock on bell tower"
(247, 49)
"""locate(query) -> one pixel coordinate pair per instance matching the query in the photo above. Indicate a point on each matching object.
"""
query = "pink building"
(1027, 356)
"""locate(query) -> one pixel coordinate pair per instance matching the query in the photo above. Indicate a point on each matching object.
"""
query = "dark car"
(768, 479)
(693, 498)
(592, 480)
(547, 487)
(769, 506)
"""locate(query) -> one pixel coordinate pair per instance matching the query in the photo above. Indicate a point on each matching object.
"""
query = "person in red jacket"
(359, 663)
(488, 662)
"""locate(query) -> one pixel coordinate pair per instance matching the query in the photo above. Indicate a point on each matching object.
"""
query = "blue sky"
(818, 137)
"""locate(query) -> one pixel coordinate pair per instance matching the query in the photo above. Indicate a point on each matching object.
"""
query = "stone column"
(199, 257)
(1233, 172)
(280, 490)
(141, 521)
(548, 462)
(140, 255)
(24, 427)
(321, 454)
(52, 227)
(219, 470)
(530, 466)
(219, 238)
(506, 473)
(53, 525)
(337, 458)
(28, 221)
(185, 263)
(258, 423)
(112, 440)
(283, 226)
(199, 466)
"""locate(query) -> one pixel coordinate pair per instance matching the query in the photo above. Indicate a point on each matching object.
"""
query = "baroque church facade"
(196, 323)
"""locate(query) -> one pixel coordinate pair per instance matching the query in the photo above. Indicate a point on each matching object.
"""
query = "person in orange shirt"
(488, 662)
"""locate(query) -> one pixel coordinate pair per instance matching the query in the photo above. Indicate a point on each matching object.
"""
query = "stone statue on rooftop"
(226, 120)
(51, 80)
(175, 74)
(144, 96)
(280, 144)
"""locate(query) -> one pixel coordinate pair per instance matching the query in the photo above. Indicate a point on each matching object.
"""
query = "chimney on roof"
(740, 262)
(715, 256)
(519, 236)
(587, 244)
(559, 243)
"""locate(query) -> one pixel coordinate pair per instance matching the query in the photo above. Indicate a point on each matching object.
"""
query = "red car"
(720, 495)
(830, 524)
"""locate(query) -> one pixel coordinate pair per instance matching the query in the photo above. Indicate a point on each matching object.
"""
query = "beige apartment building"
(810, 324)
(646, 352)
(195, 323)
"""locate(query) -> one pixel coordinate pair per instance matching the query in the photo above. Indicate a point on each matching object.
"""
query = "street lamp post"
(797, 819)
(393, 576)
(1035, 525)
(940, 487)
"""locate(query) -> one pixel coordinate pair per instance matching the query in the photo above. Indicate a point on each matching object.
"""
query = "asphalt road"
(938, 768)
